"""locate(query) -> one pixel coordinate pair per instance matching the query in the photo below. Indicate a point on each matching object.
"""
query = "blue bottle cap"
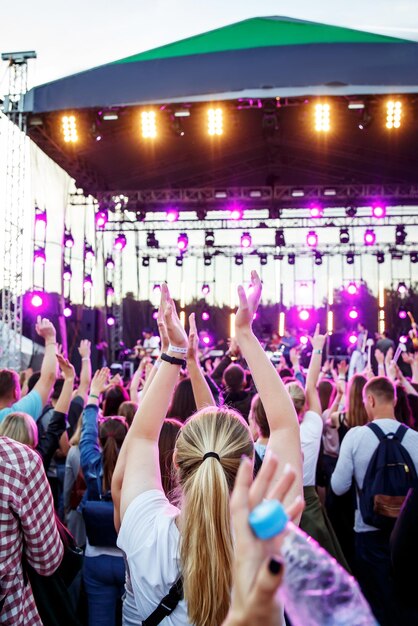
(268, 519)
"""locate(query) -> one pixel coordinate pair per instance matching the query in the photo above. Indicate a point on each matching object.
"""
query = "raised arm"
(142, 471)
(201, 390)
(46, 330)
(312, 397)
(281, 415)
(85, 372)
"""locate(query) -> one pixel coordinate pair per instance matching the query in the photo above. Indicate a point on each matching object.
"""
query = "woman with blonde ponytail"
(162, 543)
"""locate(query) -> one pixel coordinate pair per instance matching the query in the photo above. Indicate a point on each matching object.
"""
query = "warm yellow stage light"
(69, 128)
(149, 124)
(393, 114)
(215, 122)
(322, 116)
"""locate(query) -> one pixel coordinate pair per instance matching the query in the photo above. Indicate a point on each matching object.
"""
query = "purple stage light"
(110, 291)
(155, 313)
(110, 320)
(109, 263)
(205, 289)
(182, 242)
(172, 215)
(369, 237)
(402, 314)
(120, 242)
(304, 340)
(353, 314)
(352, 339)
(67, 272)
(67, 311)
(246, 240)
(88, 252)
(402, 288)
(352, 289)
(403, 339)
(157, 287)
(87, 282)
(101, 219)
(378, 211)
(304, 315)
(39, 256)
(205, 316)
(235, 213)
(68, 239)
(312, 239)
(36, 300)
(40, 216)
(316, 211)
(206, 340)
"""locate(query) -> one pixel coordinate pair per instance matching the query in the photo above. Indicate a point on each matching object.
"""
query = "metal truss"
(13, 213)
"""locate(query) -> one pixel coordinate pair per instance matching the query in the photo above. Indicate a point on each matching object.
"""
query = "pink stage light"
(68, 239)
(402, 288)
(353, 314)
(110, 291)
(205, 316)
(40, 216)
(39, 256)
(369, 237)
(67, 273)
(182, 242)
(246, 240)
(120, 242)
(236, 213)
(312, 239)
(156, 288)
(87, 282)
(304, 340)
(316, 211)
(110, 320)
(88, 252)
(304, 315)
(67, 311)
(403, 339)
(352, 289)
(352, 339)
(172, 215)
(101, 219)
(205, 289)
(206, 340)
(402, 314)
(378, 211)
(155, 312)
(36, 300)
(109, 263)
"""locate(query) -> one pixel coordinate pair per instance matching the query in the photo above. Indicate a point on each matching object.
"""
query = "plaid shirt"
(26, 515)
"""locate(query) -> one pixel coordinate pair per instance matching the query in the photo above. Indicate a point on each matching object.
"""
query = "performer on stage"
(358, 357)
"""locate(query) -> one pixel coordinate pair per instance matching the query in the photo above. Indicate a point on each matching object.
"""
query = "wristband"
(93, 395)
(172, 360)
(317, 351)
(177, 349)
(50, 343)
(85, 358)
(341, 377)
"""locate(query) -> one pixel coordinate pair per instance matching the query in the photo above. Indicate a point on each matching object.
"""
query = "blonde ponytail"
(206, 547)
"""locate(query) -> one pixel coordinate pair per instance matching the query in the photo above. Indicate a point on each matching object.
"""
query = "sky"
(81, 34)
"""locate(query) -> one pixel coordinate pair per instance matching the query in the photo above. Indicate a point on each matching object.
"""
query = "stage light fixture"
(179, 261)
(239, 259)
(353, 314)
(120, 242)
(280, 238)
(350, 258)
(155, 314)
(263, 258)
(351, 211)
(402, 288)
(88, 252)
(304, 315)
(344, 235)
(152, 241)
(87, 282)
(209, 239)
(352, 339)
(215, 122)
(182, 113)
(109, 263)
(352, 289)
(378, 211)
(172, 215)
(322, 117)
(110, 290)
(68, 239)
(67, 310)
(207, 260)
(291, 258)
(39, 256)
(396, 255)
(246, 240)
(182, 242)
(205, 289)
(236, 213)
(110, 320)
(156, 287)
(177, 127)
(356, 104)
(393, 114)
(69, 128)
(402, 314)
(148, 124)
(400, 235)
(303, 340)
(40, 216)
(205, 316)
(413, 257)
(403, 339)
(101, 218)
(145, 261)
(369, 237)
(316, 211)
(67, 273)
(365, 120)
(36, 300)
(297, 193)
(318, 257)
(312, 239)
(380, 257)
(201, 214)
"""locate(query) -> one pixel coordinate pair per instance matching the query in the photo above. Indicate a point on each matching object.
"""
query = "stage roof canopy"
(267, 74)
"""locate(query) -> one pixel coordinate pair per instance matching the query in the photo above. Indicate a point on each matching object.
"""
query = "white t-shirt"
(150, 540)
(310, 439)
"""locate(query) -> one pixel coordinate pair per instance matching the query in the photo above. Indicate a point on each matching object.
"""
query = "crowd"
(127, 502)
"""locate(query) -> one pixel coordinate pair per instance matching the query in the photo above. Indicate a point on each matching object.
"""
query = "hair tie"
(110, 435)
(214, 455)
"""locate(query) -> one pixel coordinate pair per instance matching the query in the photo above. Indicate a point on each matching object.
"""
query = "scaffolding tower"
(13, 211)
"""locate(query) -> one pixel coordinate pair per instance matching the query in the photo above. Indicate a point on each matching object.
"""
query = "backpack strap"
(377, 430)
(167, 604)
(402, 430)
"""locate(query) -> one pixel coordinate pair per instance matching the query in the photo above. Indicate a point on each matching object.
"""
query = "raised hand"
(318, 340)
(175, 331)
(45, 329)
(379, 356)
(66, 367)
(162, 329)
(294, 356)
(84, 348)
(99, 382)
(407, 357)
(248, 303)
(193, 340)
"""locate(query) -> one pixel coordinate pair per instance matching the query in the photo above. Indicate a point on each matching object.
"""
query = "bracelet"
(50, 343)
(93, 395)
(341, 377)
(317, 351)
(177, 349)
(172, 360)
(85, 358)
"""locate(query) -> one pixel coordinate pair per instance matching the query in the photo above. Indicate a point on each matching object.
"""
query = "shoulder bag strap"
(167, 605)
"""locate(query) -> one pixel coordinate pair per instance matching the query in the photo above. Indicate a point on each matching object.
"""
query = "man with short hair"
(372, 544)
(32, 403)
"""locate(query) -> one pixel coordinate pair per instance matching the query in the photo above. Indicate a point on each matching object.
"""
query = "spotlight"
(207, 260)
(110, 290)
(215, 122)
(209, 239)
(68, 239)
(403, 339)
(351, 211)
(353, 314)
(263, 258)
(152, 241)
(205, 316)
(205, 289)
(69, 128)
(149, 125)
(365, 120)
(39, 256)
(156, 287)
(318, 257)
(67, 310)
(109, 263)
(201, 214)
(316, 211)
(322, 114)
(120, 242)
(350, 258)
(246, 240)
(87, 282)
(304, 340)
(378, 211)
(101, 218)
(312, 239)
(88, 251)
(304, 315)
(380, 257)
(182, 242)
(280, 238)
(67, 272)
(236, 213)
(206, 340)
(110, 320)
(402, 314)
(352, 339)
(402, 288)
(393, 114)
(369, 237)
(344, 235)
(172, 215)
(414, 257)
(352, 289)
(36, 300)
(291, 258)
(400, 235)
(145, 261)
(155, 314)
(239, 259)
(179, 261)
(40, 216)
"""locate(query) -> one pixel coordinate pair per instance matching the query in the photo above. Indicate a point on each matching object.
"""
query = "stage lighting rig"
(351, 211)
(393, 114)
(400, 235)
(350, 258)
(145, 261)
(215, 122)
(239, 259)
(280, 238)
(263, 258)
(322, 117)
(380, 257)
(413, 257)
(152, 241)
(148, 124)
(207, 260)
(209, 239)
(344, 235)
(291, 258)
(318, 257)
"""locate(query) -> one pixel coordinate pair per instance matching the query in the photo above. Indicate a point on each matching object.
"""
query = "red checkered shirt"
(26, 514)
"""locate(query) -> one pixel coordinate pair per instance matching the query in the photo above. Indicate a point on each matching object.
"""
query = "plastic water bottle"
(316, 590)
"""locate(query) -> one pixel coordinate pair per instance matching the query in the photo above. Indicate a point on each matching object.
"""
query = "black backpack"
(389, 475)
